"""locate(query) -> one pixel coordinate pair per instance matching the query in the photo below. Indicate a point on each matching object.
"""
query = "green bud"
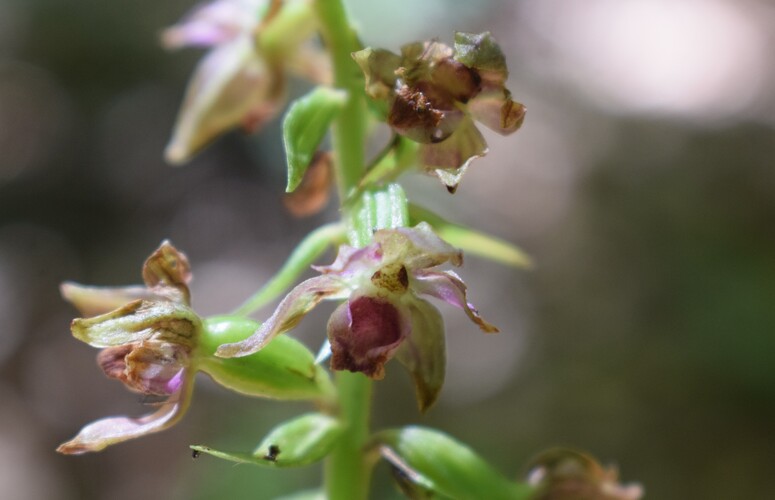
(284, 369)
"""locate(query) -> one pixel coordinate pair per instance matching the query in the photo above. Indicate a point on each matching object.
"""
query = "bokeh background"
(643, 184)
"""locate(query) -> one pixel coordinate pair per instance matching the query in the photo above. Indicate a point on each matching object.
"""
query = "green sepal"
(294, 443)
(304, 127)
(284, 369)
(472, 241)
(303, 256)
(436, 462)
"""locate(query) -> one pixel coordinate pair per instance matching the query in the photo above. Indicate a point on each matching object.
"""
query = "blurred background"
(642, 183)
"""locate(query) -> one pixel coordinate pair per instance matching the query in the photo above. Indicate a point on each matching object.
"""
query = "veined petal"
(137, 321)
(168, 273)
(447, 286)
(416, 247)
(108, 431)
(424, 352)
(231, 86)
(213, 23)
(364, 333)
(449, 159)
(289, 312)
(497, 111)
(94, 300)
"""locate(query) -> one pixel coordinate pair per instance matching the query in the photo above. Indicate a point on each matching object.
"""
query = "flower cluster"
(383, 315)
(433, 91)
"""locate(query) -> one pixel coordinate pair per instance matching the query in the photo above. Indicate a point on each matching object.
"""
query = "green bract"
(295, 443)
(305, 124)
(436, 462)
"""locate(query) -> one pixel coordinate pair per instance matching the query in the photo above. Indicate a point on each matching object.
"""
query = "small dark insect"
(274, 450)
(195, 453)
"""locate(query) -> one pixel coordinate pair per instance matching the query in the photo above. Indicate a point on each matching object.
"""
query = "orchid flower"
(147, 343)
(384, 315)
(240, 82)
(434, 93)
(154, 343)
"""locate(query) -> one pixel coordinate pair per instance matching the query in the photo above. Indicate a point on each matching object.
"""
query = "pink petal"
(301, 300)
(108, 431)
(447, 286)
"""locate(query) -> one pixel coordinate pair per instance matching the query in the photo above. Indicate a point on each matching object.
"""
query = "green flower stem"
(305, 254)
(347, 473)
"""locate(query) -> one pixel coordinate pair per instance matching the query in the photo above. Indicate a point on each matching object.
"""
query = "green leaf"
(304, 127)
(294, 443)
(472, 241)
(284, 369)
(441, 464)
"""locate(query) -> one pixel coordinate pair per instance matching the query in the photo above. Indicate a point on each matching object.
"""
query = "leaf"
(283, 369)
(294, 443)
(305, 125)
(472, 241)
(441, 464)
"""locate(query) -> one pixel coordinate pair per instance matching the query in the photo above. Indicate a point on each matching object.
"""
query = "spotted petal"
(108, 431)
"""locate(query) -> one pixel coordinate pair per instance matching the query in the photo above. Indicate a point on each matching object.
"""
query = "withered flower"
(434, 92)
(148, 339)
(384, 315)
(241, 81)
(563, 474)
